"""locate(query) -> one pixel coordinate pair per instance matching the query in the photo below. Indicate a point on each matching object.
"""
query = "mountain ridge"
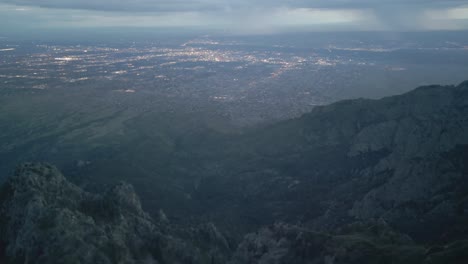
(375, 143)
(399, 162)
(49, 220)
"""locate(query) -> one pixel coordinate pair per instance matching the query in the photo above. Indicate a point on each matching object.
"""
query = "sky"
(238, 16)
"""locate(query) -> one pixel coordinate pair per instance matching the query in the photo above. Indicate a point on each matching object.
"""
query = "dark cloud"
(223, 5)
(242, 16)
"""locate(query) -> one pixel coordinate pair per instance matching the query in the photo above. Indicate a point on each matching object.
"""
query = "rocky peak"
(46, 219)
(49, 220)
(124, 197)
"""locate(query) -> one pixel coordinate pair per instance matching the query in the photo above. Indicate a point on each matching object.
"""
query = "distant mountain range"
(358, 181)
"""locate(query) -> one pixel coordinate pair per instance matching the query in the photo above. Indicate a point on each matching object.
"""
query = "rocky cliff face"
(402, 159)
(421, 180)
(46, 219)
(424, 135)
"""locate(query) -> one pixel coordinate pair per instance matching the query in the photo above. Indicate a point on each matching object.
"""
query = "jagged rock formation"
(46, 219)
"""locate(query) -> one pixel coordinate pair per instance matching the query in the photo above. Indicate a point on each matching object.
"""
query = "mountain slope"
(401, 158)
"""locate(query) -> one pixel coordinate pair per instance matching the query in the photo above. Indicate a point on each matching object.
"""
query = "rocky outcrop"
(420, 133)
(46, 219)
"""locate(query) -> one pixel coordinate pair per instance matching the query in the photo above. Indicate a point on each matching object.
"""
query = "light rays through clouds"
(243, 16)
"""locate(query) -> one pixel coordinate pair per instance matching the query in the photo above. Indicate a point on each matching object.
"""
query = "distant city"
(271, 77)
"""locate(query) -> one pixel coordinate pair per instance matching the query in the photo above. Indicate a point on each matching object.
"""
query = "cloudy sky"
(244, 16)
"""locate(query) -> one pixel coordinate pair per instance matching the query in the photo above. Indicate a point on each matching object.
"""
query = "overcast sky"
(243, 16)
